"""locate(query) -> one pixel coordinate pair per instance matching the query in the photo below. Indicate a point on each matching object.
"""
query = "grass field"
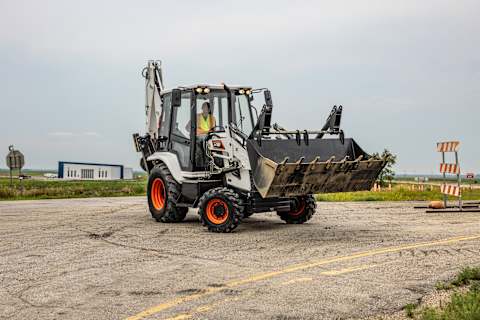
(55, 189)
(438, 179)
(399, 193)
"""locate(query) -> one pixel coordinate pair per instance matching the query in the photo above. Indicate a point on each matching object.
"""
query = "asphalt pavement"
(106, 258)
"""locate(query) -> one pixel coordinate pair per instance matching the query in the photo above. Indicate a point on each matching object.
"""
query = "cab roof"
(211, 86)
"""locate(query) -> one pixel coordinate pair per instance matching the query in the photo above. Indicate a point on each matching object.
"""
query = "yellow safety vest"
(204, 124)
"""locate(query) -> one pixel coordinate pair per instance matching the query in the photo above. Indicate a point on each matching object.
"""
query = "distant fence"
(420, 186)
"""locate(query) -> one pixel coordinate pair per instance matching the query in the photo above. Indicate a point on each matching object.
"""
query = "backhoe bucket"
(285, 168)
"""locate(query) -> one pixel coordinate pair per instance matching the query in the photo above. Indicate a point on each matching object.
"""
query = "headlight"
(206, 90)
(248, 91)
(199, 90)
(241, 91)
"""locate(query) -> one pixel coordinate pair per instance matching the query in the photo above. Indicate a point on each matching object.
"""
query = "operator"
(205, 122)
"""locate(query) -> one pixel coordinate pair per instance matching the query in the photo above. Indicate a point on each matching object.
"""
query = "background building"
(92, 171)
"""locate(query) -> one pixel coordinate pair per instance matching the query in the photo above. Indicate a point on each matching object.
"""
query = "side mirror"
(176, 98)
(268, 98)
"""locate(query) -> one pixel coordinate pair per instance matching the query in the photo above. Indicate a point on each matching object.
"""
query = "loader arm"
(153, 89)
(264, 120)
(332, 125)
(148, 143)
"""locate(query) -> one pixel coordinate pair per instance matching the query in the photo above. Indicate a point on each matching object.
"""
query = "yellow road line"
(182, 316)
(293, 268)
(205, 308)
(346, 270)
(208, 307)
(289, 282)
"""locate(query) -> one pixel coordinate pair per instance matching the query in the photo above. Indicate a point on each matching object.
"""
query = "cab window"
(180, 131)
(243, 115)
(218, 109)
(164, 121)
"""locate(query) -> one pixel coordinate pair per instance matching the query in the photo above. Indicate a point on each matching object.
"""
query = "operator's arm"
(214, 122)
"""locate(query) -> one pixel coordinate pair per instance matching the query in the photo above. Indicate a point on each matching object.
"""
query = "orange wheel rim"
(299, 209)
(158, 194)
(217, 211)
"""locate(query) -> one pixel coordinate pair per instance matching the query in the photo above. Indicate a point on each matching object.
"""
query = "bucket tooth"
(283, 165)
(311, 165)
(371, 162)
(328, 163)
(299, 163)
(359, 158)
(343, 163)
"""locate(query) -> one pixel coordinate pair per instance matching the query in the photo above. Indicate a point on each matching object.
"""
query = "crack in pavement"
(103, 237)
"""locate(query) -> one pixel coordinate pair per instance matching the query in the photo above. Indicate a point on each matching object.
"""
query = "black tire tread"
(234, 200)
(309, 211)
(172, 213)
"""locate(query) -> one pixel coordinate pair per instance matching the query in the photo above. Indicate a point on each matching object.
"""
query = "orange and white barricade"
(450, 168)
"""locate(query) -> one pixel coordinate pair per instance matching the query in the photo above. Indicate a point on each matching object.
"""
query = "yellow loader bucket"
(285, 168)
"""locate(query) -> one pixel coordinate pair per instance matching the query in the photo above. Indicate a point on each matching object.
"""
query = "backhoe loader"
(208, 147)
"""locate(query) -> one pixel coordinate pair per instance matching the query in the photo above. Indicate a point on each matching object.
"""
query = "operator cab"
(184, 119)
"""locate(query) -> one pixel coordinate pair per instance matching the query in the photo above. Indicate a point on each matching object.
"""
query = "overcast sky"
(406, 72)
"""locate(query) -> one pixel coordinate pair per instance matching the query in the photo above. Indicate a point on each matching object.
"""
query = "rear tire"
(303, 210)
(162, 193)
(221, 209)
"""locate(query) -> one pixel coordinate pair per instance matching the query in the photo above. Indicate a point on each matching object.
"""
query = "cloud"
(91, 134)
(404, 70)
(73, 134)
(61, 134)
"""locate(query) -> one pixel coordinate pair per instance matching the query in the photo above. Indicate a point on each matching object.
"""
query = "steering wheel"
(216, 128)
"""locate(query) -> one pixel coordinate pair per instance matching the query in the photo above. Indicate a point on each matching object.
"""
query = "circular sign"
(15, 159)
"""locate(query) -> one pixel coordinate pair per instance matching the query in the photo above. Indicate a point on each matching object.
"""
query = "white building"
(92, 171)
(127, 173)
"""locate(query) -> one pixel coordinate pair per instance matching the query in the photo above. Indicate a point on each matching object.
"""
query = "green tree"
(387, 174)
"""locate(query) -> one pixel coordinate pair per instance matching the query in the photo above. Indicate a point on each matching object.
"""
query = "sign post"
(15, 160)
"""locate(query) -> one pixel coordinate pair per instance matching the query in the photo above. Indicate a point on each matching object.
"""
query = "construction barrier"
(449, 146)
(377, 187)
(451, 190)
(450, 168)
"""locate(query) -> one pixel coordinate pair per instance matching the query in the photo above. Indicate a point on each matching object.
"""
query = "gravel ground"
(107, 259)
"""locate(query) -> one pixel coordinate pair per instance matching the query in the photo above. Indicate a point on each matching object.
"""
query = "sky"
(406, 72)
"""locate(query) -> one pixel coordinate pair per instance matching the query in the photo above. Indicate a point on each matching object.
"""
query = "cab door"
(180, 131)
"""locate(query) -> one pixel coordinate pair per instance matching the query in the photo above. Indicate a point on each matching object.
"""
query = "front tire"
(302, 211)
(221, 209)
(162, 193)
